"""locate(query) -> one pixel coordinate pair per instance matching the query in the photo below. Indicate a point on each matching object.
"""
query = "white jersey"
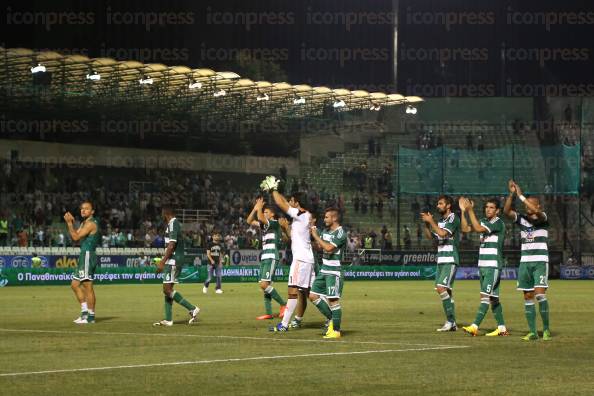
(300, 236)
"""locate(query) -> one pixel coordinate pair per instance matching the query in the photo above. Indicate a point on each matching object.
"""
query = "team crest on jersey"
(530, 234)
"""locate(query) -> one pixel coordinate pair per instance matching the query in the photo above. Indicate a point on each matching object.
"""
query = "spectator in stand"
(368, 242)
(158, 242)
(407, 238)
(364, 203)
(469, 141)
(388, 241)
(392, 207)
(371, 147)
(380, 206)
(22, 238)
(373, 236)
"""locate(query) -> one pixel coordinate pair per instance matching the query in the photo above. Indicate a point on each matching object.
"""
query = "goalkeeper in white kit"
(301, 273)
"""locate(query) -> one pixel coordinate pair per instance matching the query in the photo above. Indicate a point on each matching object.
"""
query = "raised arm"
(464, 226)
(252, 217)
(286, 229)
(534, 208)
(86, 229)
(507, 207)
(432, 225)
(326, 246)
(280, 201)
(259, 205)
(476, 224)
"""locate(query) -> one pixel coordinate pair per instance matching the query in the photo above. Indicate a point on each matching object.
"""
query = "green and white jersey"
(447, 248)
(535, 239)
(491, 250)
(173, 233)
(90, 242)
(271, 240)
(331, 261)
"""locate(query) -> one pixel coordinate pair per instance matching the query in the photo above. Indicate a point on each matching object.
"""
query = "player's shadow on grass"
(106, 319)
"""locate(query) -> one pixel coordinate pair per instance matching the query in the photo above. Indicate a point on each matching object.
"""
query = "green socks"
(323, 308)
(268, 303)
(482, 311)
(543, 307)
(336, 316)
(177, 297)
(168, 308)
(498, 312)
(530, 312)
(448, 306)
(271, 291)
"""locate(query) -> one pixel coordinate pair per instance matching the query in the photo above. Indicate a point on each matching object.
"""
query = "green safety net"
(538, 170)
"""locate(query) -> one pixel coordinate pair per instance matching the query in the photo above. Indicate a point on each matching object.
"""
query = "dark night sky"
(313, 43)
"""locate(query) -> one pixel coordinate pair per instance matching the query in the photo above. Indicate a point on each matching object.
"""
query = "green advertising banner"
(191, 274)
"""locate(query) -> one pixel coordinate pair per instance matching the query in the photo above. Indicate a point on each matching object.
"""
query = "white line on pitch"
(268, 339)
(226, 360)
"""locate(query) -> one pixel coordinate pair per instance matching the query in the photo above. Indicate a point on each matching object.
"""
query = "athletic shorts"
(267, 268)
(445, 274)
(533, 274)
(85, 269)
(328, 285)
(301, 274)
(490, 278)
(171, 273)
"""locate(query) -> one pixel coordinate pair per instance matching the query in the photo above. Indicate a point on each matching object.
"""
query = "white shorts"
(301, 274)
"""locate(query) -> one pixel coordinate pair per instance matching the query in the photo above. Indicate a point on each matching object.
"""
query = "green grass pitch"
(389, 346)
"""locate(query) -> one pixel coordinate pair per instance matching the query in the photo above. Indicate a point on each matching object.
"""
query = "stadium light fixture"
(220, 92)
(146, 80)
(262, 97)
(339, 104)
(299, 101)
(411, 110)
(194, 84)
(38, 69)
(375, 107)
(94, 77)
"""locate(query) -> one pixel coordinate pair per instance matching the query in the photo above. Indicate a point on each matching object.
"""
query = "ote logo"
(571, 272)
(20, 262)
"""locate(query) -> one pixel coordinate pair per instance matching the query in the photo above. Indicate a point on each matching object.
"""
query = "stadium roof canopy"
(201, 92)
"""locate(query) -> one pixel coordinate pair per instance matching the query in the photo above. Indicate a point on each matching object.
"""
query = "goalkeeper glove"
(270, 183)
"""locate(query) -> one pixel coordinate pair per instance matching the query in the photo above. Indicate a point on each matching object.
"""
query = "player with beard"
(301, 273)
(447, 234)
